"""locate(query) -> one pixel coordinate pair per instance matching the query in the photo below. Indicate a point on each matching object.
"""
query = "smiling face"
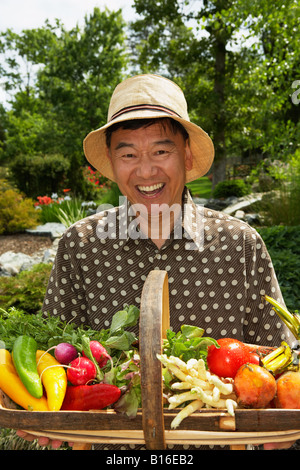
(150, 163)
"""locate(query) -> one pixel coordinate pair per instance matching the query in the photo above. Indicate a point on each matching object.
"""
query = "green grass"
(201, 187)
(26, 290)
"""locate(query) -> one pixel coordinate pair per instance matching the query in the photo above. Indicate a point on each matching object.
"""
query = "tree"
(201, 62)
(277, 27)
(233, 59)
(68, 95)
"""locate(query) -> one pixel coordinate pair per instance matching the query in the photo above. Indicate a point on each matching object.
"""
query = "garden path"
(24, 243)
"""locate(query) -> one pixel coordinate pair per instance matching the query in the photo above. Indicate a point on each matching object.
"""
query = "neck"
(158, 226)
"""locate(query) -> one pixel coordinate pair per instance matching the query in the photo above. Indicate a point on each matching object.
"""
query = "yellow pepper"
(54, 379)
(11, 384)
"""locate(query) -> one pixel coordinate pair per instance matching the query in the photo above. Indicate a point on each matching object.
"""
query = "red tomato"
(226, 360)
(253, 358)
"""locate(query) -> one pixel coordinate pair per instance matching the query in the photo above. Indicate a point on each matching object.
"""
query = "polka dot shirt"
(218, 271)
(216, 279)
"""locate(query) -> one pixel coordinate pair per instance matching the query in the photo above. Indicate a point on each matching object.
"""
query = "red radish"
(65, 353)
(81, 371)
(99, 352)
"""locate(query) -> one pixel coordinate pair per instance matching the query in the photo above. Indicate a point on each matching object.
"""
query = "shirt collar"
(192, 223)
(189, 225)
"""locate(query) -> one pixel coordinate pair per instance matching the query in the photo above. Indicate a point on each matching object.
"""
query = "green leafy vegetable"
(188, 343)
(190, 331)
(49, 330)
(87, 351)
(130, 402)
(124, 319)
(124, 371)
(122, 342)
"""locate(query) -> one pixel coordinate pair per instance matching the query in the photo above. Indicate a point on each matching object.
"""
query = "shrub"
(229, 188)
(16, 212)
(283, 244)
(48, 212)
(5, 185)
(281, 207)
(111, 196)
(65, 211)
(95, 186)
(35, 175)
(70, 211)
(26, 290)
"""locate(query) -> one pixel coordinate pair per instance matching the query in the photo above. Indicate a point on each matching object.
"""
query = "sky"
(27, 14)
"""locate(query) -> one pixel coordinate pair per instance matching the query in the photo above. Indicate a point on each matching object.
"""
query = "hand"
(278, 445)
(42, 441)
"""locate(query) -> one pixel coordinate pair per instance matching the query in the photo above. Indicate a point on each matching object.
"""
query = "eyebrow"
(165, 141)
(123, 144)
(158, 142)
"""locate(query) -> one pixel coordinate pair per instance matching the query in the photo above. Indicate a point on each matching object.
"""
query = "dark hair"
(134, 124)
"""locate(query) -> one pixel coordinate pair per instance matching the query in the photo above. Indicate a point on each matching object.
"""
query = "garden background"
(238, 63)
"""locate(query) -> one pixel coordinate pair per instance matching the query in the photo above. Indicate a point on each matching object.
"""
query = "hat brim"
(201, 145)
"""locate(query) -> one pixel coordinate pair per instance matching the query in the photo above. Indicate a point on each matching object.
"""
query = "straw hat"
(149, 96)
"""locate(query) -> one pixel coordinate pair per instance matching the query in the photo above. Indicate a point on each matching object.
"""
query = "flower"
(95, 179)
(88, 204)
(43, 201)
(66, 190)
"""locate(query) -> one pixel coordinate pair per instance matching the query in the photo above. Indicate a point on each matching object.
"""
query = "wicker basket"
(152, 425)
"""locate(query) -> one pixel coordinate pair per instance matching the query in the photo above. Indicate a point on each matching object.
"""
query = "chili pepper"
(24, 358)
(54, 379)
(12, 385)
(90, 397)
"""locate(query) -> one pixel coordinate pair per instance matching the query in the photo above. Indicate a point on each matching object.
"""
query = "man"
(218, 267)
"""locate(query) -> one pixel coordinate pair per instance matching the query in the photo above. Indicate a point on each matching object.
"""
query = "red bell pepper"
(90, 397)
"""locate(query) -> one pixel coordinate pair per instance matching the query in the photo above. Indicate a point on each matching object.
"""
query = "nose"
(146, 167)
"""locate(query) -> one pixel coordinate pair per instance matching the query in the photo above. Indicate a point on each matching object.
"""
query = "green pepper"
(24, 358)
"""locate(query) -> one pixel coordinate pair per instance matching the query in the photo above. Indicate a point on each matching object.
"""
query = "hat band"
(150, 107)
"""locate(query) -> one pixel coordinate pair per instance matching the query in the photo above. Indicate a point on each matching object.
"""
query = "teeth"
(151, 188)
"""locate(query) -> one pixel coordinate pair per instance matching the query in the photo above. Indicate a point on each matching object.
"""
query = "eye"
(128, 155)
(161, 152)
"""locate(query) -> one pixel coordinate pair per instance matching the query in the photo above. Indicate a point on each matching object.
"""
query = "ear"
(188, 157)
(108, 153)
(108, 156)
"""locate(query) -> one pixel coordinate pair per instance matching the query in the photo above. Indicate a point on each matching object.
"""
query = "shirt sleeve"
(262, 325)
(65, 294)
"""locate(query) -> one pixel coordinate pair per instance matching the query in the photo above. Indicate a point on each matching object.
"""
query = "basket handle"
(154, 321)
